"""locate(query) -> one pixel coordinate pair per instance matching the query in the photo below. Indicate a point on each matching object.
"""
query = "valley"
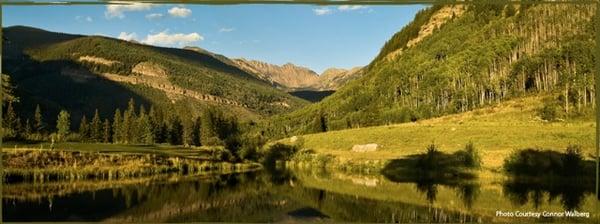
(466, 110)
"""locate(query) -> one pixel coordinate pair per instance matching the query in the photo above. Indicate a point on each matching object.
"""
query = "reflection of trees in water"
(571, 193)
(353, 208)
(467, 191)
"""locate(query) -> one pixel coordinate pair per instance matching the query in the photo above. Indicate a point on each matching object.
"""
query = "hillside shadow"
(64, 84)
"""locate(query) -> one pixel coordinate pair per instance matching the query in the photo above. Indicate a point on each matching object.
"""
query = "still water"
(293, 196)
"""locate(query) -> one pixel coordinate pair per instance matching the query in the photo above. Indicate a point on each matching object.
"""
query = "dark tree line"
(131, 126)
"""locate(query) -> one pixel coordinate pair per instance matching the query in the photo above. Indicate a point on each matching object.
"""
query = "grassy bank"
(496, 131)
(40, 165)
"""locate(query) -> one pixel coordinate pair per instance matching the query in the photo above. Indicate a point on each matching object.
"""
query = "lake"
(296, 196)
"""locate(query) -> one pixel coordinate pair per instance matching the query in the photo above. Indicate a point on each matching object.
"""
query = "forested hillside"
(84, 73)
(452, 59)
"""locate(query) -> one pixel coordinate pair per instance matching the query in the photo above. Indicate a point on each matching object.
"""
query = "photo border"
(321, 3)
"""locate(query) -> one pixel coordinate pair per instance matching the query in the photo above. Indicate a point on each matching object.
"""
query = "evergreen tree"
(196, 131)
(128, 125)
(38, 125)
(27, 130)
(117, 129)
(63, 124)
(106, 131)
(96, 131)
(175, 132)
(84, 129)
(208, 130)
(154, 124)
(188, 133)
(19, 129)
(144, 128)
(10, 122)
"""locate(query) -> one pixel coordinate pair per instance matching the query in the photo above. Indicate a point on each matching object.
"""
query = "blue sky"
(317, 37)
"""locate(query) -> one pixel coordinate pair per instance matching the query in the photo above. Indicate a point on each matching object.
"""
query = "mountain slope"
(483, 55)
(288, 76)
(81, 73)
(335, 78)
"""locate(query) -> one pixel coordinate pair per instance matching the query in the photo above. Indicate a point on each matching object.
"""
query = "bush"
(535, 162)
(429, 161)
(572, 160)
(470, 156)
(551, 111)
(279, 152)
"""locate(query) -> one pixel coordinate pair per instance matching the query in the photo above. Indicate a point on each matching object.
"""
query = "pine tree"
(188, 133)
(19, 129)
(154, 124)
(38, 122)
(117, 127)
(196, 131)
(84, 129)
(175, 132)
(10, 122)
(96, 128)
(63, 124)
(27, 130)
(106, 131)
(144, 128)
(208, 129)
(128, 126)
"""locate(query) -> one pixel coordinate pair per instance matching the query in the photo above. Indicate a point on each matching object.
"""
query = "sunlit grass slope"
(495, 131)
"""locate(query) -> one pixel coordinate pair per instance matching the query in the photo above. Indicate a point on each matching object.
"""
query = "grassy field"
(40, 162)
(495, 131)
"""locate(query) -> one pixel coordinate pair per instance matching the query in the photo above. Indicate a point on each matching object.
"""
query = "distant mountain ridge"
(297, 78)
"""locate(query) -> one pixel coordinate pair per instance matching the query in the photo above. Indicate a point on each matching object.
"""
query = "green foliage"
(96, 128)
(63, 125)
(278, 152)
(551, 111)
(38, 125)
(84, 129)
(10, 122)
(474, 60)
(470, 156)
(106, 131)
(536, 162)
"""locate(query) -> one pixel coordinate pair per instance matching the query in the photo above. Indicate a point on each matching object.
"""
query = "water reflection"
(272, 196)
(570, 194)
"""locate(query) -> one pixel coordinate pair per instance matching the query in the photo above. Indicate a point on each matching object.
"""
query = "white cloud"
(154, 16)
(127, 36)
(351, 7)
(322, 11)
(226, 30)
(180, 12)
(82, 19)
(165, 39)
(118, 10)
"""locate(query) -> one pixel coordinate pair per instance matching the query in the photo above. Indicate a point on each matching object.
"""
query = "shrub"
(535, 162)
(279, 152)
(470, 156)
(430, 160)
(551, 111)
(572, 160)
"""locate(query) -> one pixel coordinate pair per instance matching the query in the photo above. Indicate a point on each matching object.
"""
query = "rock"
(365, 148)
(293, 139)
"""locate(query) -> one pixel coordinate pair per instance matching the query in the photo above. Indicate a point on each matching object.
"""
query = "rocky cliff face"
(288, 76)
(293, 77)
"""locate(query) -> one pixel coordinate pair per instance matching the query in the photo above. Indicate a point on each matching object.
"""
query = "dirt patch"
(98, 60)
